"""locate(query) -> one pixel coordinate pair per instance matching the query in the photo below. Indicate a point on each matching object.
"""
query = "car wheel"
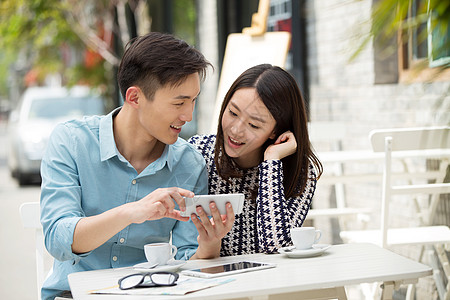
(23, 179)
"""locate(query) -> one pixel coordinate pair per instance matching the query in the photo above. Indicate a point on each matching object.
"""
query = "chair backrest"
(420, 141)
(419, 138)
(30, 215)
(330, 132)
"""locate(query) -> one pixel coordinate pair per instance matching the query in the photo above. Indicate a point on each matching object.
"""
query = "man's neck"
(136, 146)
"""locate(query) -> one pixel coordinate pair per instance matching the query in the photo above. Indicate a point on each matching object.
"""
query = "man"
(114, 183)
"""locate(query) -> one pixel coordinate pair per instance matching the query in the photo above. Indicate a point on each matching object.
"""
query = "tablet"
(236, 200)
(228, 269)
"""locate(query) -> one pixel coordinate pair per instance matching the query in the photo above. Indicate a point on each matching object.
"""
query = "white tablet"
(228, 269)
(236, 200)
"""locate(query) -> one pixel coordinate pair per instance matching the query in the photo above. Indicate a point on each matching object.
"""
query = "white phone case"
(236, 200)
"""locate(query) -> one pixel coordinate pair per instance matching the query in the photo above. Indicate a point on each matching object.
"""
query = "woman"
(262, 149)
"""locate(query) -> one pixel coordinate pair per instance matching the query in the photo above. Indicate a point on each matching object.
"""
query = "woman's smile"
(235, 143)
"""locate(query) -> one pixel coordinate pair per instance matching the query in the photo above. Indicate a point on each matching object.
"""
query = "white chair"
(418, 144)
(331, 134)
(29, 213)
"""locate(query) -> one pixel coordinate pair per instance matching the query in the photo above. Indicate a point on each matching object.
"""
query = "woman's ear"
(273, 136)
(132, 95)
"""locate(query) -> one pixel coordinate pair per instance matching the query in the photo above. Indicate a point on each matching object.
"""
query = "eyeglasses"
(148, 280)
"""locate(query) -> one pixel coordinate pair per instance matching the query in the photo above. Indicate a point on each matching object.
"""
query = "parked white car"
(31, 123)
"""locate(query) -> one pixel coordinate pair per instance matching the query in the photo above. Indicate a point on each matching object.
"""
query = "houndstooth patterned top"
(262, 227)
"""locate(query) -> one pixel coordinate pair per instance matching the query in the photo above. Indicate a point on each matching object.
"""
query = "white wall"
(345, 91)
(209, 46)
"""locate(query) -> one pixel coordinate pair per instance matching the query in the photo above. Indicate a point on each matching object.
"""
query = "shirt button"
(134, 181)
(114, 258)
(122, 240)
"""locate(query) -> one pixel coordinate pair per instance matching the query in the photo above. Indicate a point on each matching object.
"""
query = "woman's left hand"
(285, 145)
(211, 231)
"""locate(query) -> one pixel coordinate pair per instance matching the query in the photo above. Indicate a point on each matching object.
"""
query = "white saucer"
(316, 250)
(171, 266)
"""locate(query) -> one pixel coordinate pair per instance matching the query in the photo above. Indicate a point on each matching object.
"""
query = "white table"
(303, 278)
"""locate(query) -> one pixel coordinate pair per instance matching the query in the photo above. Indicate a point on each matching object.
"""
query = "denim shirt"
(83, 174)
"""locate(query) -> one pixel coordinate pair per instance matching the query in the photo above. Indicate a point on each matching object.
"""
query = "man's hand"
(91, 232)
(160, 204)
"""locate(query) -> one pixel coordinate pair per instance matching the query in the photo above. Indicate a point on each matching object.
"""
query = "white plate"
(171, 266)
(316, 250)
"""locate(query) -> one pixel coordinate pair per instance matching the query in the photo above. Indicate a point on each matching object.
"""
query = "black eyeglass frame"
(140, 284)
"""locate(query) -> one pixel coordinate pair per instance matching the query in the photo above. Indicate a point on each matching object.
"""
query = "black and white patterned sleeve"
(275, 214)
(194, 140)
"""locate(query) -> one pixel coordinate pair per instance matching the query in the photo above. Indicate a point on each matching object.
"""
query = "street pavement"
(17, 245)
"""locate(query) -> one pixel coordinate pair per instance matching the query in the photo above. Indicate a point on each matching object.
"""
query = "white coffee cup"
(305, 237)
(160, 253)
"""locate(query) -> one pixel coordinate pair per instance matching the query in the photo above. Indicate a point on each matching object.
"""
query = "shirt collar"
(107, 143)
(170, 156)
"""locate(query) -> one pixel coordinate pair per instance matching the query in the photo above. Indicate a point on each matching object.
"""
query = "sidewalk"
(17, 255)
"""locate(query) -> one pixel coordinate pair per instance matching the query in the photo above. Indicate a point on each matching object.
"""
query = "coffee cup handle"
(318, 236)
(174, 251)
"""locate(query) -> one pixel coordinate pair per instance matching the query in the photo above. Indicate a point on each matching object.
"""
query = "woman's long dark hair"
(279, 92)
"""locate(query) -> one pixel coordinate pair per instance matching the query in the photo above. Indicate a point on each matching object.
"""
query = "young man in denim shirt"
(111, 184)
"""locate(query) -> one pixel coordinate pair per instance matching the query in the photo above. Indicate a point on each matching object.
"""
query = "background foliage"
(390, 18)
(81, 40)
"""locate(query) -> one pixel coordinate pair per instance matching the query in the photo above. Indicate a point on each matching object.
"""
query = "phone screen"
(230, 267)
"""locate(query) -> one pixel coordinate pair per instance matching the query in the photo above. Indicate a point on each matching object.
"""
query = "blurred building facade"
(373, 91)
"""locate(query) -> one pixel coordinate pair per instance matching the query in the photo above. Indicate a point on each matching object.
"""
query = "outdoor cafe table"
(320, 277)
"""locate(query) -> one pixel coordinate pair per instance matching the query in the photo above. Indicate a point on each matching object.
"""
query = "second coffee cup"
(305, 237)
(160, 253)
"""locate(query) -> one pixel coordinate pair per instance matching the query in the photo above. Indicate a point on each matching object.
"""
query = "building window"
(438, 40)
(280, 19)
(425, 44)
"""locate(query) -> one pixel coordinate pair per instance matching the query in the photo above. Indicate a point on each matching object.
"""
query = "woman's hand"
(211, 231)
(285, 145)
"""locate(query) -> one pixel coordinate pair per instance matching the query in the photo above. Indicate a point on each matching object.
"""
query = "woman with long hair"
(262, 149)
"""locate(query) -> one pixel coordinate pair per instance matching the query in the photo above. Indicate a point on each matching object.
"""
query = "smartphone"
(228, 269)
(236, 200)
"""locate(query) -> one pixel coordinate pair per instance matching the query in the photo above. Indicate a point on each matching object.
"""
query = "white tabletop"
(341, 265)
